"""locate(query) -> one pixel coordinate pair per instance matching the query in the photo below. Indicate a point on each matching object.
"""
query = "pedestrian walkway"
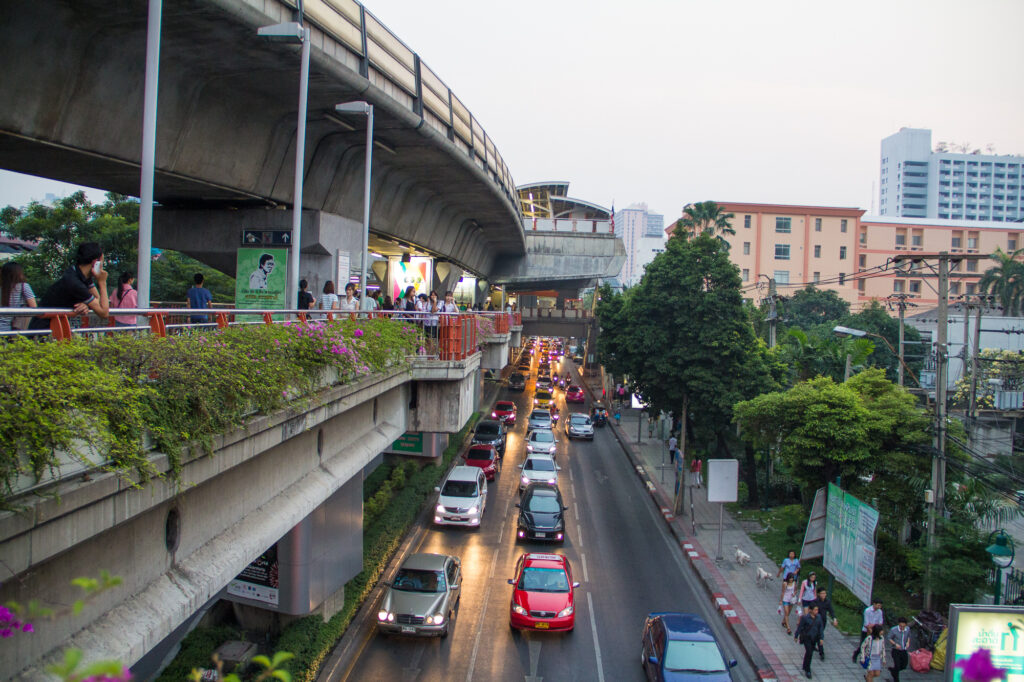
(749, 608)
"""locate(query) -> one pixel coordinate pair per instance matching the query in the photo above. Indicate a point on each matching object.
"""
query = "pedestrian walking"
(790, 566)
(124, 296)
(199, 298)
(618, 417)
(786, 601)
(824, 606)
(305, 299)
(808, 632)
(899, 638)
(872, 652)
(872, 616)
(808, 591)
(328, 299)
(695, 467)
(672, 448)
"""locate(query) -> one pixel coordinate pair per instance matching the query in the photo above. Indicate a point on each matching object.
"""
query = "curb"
(741, 632)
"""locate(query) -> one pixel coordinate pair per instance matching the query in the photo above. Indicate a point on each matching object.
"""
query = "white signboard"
(341, 270)
(723, 480)
(850, 542)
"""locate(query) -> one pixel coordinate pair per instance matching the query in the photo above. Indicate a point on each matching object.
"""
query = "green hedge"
(196, 650)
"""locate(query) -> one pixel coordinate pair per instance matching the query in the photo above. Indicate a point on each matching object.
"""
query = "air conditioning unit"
(1009, 400)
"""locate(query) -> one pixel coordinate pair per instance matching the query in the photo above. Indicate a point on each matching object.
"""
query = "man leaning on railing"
(83, 287)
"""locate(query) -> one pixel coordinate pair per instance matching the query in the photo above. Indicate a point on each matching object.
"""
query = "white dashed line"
(597, 645)
(586, 575)
(480, 625)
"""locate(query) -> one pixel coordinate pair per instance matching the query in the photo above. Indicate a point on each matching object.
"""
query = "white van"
(462, 499)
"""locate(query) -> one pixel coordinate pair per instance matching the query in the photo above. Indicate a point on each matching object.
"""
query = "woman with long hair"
(124, 296)
(872, 652)
(328, 299)
(15, 292)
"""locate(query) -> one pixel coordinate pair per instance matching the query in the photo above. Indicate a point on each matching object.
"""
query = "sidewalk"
(749, 610)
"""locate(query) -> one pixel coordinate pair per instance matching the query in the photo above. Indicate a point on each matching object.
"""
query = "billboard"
(417, 273)
(258, 580)
(723, 480)
(850, 542)
(261, 278)
(1000, 629)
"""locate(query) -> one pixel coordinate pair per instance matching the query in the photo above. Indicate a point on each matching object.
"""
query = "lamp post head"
(840, 330)
(287, 32)
(1001, 550)
(359, 107)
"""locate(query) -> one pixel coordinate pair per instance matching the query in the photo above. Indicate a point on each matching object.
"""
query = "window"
(1011, 243)
(972, 288)
(862, 261)
(842, 225)
(817, 277)
(782, 252)
(897, 285)
(957, 241)
(972, 240)
(746, 274)
(783, 224)
(861, 285)
(954, 289)
(842, 278)
(901, 239)
(917, 239)
(864, 236)
(915, 286)
(817, 224)
(782, 276)
(746, 248)
(842, 253)
(746, 221)
(817, 250)
(972, 265)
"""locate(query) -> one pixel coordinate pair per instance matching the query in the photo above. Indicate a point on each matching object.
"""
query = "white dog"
(741, 557)
(763, 578)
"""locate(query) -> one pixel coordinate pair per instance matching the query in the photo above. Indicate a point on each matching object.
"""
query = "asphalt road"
(620, 552)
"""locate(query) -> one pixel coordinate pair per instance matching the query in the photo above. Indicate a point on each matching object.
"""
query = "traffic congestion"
(543, 557)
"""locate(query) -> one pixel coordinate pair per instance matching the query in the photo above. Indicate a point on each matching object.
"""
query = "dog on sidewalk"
(742, 558)
(763, 577)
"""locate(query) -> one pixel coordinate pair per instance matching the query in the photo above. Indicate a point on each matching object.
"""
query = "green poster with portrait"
(261, 278)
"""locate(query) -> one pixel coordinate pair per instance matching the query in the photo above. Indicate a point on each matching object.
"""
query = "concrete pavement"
(749, 609)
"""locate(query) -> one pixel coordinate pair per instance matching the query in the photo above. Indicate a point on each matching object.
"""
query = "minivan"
(462, 498)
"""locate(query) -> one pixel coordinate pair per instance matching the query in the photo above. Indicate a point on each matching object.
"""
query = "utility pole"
(773, 313)
(972, 410)
(937, 509)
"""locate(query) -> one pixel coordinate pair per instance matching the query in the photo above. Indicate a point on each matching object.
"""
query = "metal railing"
(384, 57)
(569, 225)
(556, 313)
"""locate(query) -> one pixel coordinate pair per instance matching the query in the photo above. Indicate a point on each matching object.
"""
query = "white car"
(541, 441)
(540, 419)
(578, 425)
(538, 469)
(463, 497)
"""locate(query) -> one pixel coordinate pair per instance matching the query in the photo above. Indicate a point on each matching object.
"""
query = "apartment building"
(643, 235)
(845, 251)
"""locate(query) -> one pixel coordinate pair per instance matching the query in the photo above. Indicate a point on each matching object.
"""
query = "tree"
(1005, 281)
(812, 306)
(822, 353)
(874, 319)
(705, 217)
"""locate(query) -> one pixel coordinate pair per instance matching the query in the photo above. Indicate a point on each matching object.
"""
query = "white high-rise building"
(917, 182)
(643, 234)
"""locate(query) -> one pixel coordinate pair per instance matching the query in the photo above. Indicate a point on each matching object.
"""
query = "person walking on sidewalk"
(808, 633)
(824, 606)
(808, 591)
(790, 566)
(872, 616)
(872, 650)
(672, 448)
(899, 638)
(787, 600)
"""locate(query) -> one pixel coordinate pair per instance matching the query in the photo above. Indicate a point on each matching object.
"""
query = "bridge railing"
(569, 225)
(555, 313)
(384, 57)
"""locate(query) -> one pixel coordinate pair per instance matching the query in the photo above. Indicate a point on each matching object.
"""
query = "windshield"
(540, 416)
(505, 407)
(415, 580)
(579, 419)
(487, 429)
(459, 489)
(543, 504)
(696, 656)
(539, 465)
(544, 580)
(543, 395)
(480, 453)
(542, 437)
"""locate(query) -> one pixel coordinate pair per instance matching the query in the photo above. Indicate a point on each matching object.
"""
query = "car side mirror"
(517, 506)
(520, 466)
(563, 508)
(511, 582)
(575, 585)
(386, 584)
(653, 660)
(732, 662)
(558, 468)
(455, 586)
(437, 489)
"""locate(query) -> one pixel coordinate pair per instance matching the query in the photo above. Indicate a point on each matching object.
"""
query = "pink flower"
(358, 333)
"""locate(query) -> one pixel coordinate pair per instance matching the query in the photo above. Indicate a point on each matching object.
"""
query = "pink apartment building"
(839, 249)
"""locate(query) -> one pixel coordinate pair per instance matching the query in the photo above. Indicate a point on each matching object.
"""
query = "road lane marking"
(483, 613)
(597, 645)
(586, 575)
(534, 647)
(579, 533)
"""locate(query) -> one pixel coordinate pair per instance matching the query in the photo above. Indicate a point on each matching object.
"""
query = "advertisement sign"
(814, 535)
(342, 269)
(417, 273)
(260, 278)
(1000, 629)
(850, 541)
(258, 581)
(409, 443)
(723, 480)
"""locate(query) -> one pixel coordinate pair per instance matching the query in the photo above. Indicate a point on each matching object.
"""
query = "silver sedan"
(422, 597)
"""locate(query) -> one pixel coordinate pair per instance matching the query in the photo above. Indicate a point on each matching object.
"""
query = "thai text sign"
(850, 542)
(1000, 629)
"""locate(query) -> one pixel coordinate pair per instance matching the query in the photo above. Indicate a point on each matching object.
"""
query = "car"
(574, 394)
(538, 467)
(681, 647)
(543, 594)
(542, 398)
(491, 375)
(541, 514)
(599, 414)
(542, 441)
(422, 597)
(490, 432)
(578, 425)
(540, 419)
(462, 497)
(517, 382)
(504, 410)
(483, 456)
(544, 382)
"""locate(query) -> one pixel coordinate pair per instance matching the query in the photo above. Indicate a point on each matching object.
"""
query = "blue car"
(680, 647)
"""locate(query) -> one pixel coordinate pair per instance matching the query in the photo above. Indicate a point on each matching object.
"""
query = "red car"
(574, 394)
(543, 594)
(505, 410)
(483, 456)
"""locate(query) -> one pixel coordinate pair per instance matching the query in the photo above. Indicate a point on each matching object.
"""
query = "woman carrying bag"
(15, 292)
(125, 296)
(872, 654)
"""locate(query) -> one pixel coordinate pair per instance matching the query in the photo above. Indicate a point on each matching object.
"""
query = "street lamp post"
(295, 32)
(1001, 550)
(840, 330)
(361, 107)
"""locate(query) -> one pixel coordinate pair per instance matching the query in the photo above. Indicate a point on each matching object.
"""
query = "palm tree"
(1006, 281)
(705, 217)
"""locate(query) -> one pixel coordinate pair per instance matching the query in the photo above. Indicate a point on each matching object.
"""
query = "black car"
(541, 514)
(598, 414)
(490, 432)
(517, 382)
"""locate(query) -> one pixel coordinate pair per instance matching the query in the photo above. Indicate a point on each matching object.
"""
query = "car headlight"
(473, 510)
(439, 509)
(529, 447)
(534, 401)
(494, 415)
(526, 480)
(551, 481)
(519, 609)
(436, 619)
(385, 617)
(567, 611)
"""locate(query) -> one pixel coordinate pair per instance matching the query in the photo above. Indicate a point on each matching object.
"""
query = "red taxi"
(543, 593)
(483, 456)
(505, 410)
(574, 394)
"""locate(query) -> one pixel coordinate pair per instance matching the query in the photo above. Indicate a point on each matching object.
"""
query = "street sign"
(850, 542)
(723, 480)
(266, 237)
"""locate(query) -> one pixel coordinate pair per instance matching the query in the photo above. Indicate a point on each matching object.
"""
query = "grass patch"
(196, 650)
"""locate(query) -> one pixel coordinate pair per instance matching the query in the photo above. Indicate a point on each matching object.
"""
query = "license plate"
(542, 626)
(454, 518)
(542, 535)
(408, 630)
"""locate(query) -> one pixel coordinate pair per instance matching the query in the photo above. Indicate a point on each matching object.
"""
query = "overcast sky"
(673, 101)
